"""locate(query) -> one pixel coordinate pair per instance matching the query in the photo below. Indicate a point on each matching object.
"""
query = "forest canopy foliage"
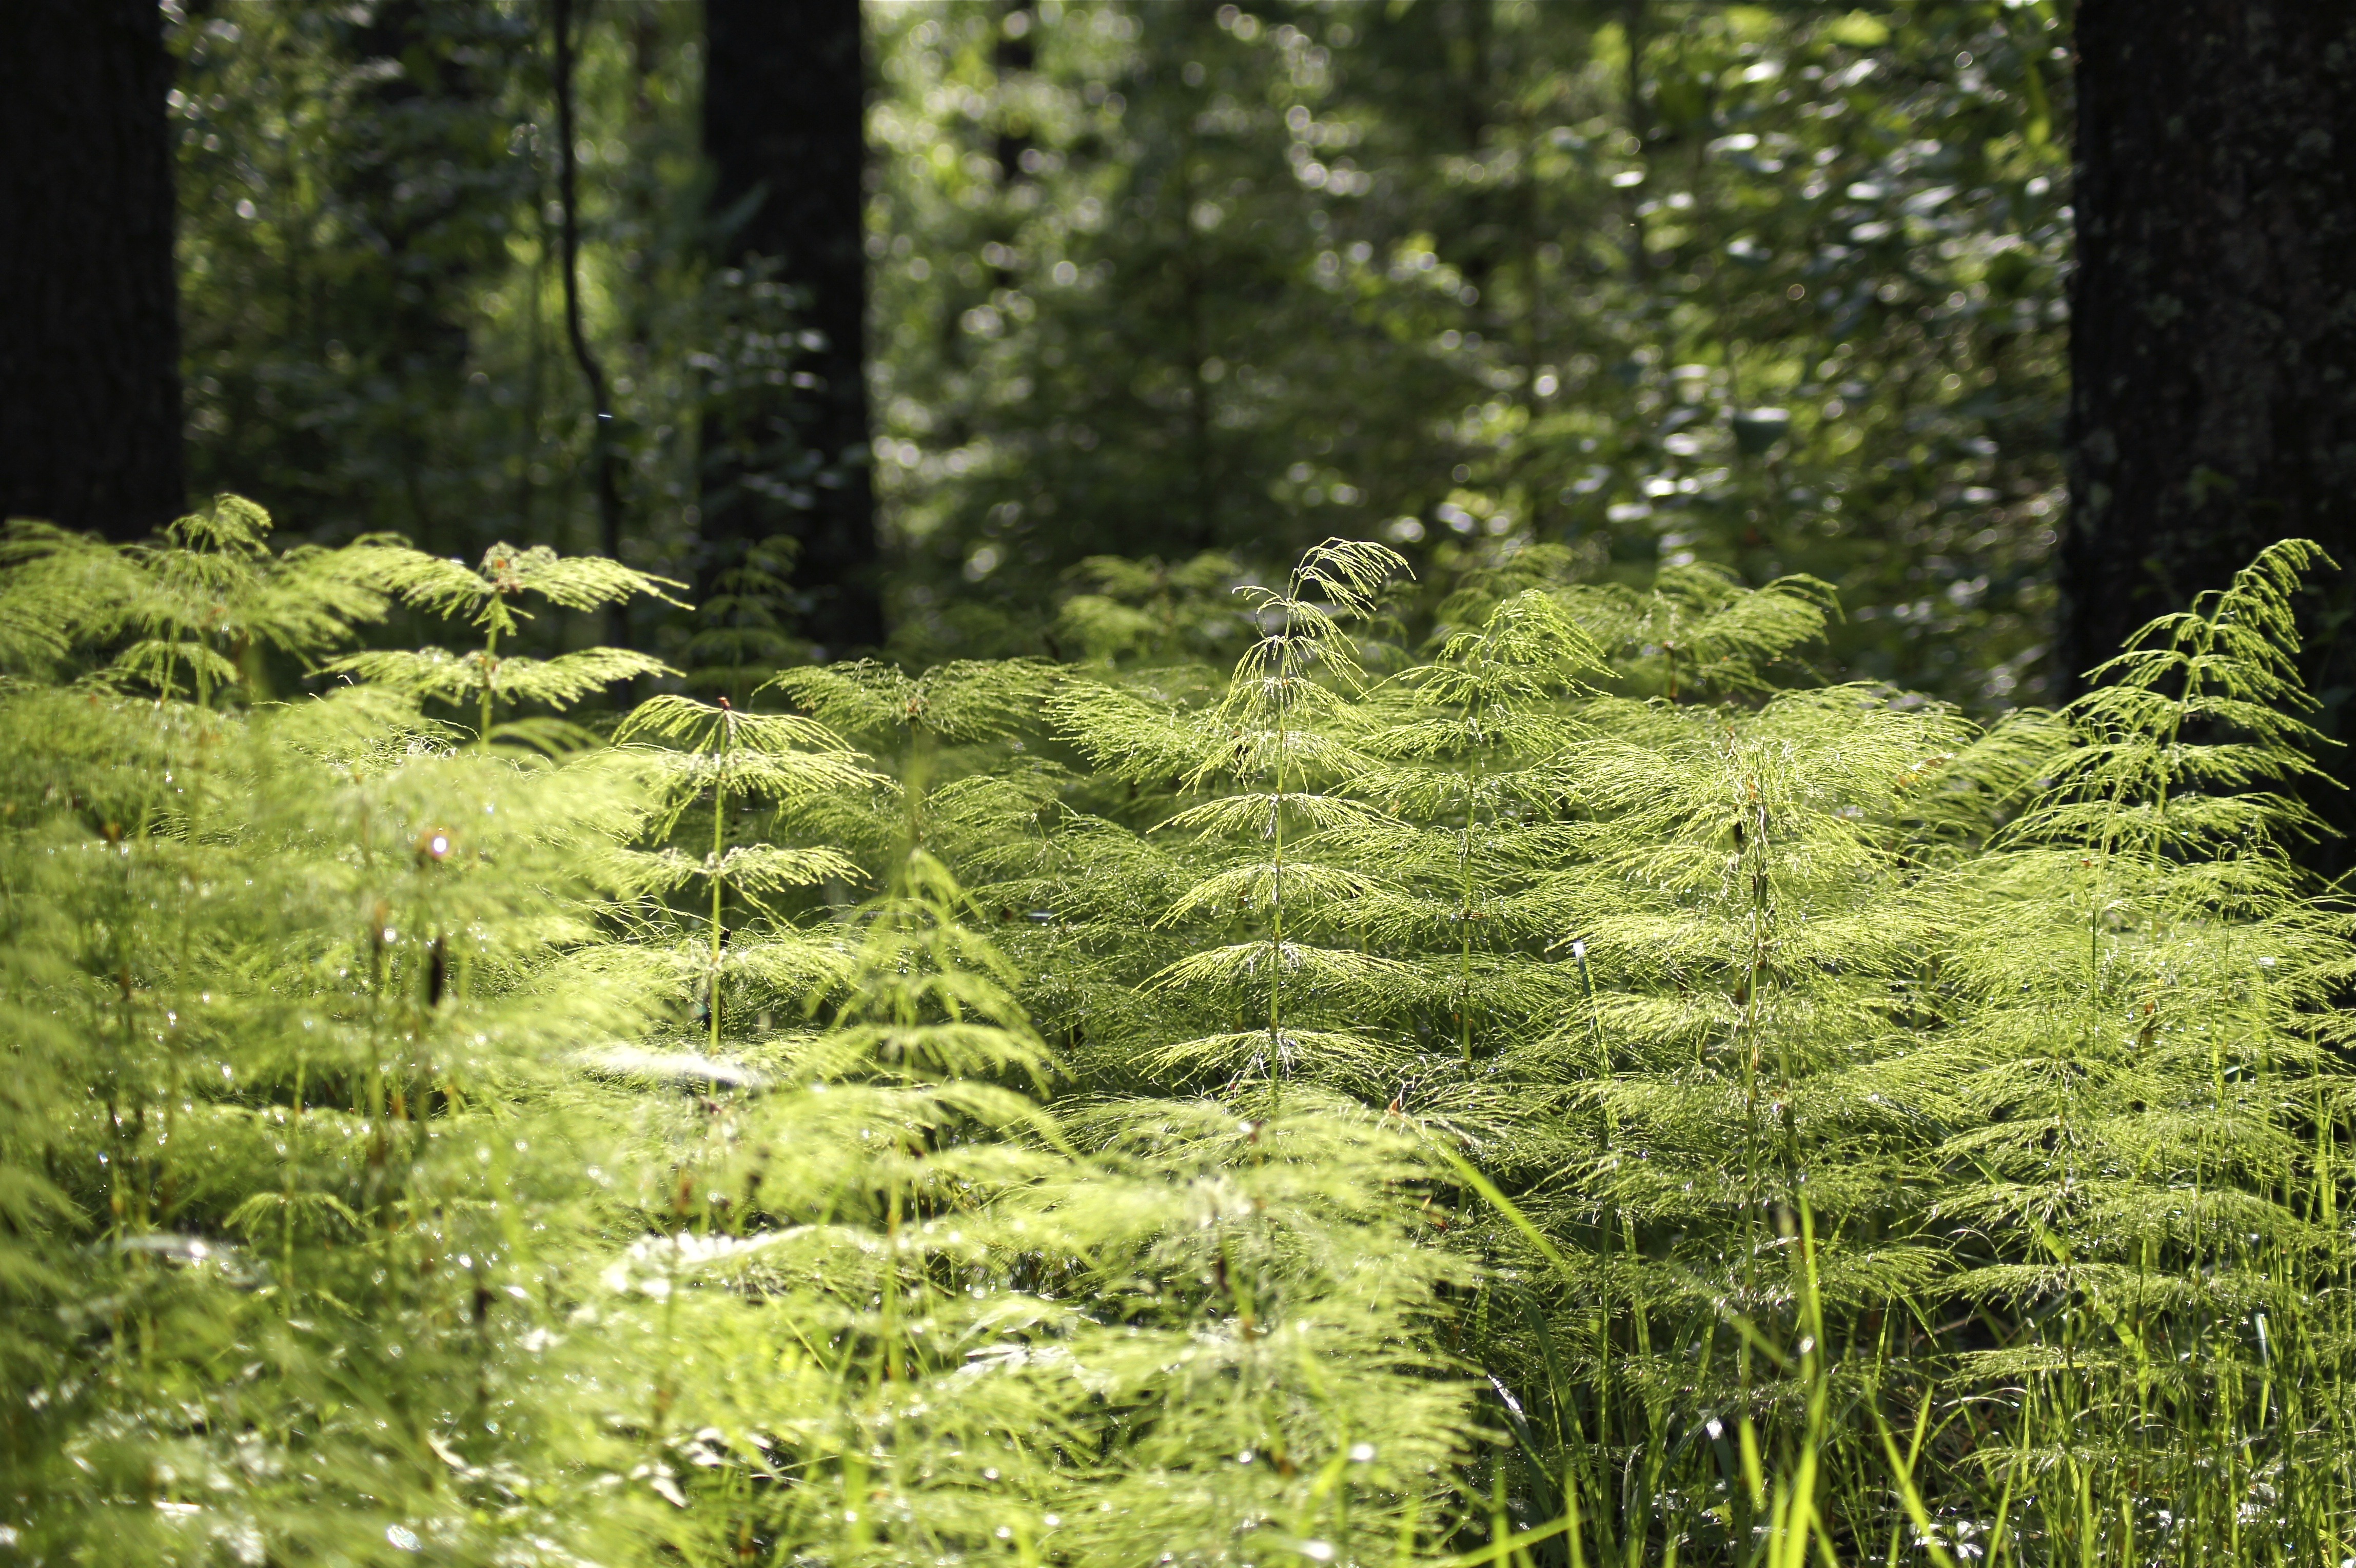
(1578, 1087)
(1772, 289)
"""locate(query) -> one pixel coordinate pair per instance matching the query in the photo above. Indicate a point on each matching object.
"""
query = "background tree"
(2213, 344)
(784, 113)
(90, 381)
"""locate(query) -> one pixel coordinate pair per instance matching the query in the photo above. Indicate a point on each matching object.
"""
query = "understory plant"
(1878, 1135)
(1585, 1090)
(488, 1141)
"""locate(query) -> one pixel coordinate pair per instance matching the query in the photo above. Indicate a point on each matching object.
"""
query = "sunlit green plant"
(485, 597)
(1498, 1110)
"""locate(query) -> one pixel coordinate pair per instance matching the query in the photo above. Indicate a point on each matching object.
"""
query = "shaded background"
(875, 327)
(1783, 290)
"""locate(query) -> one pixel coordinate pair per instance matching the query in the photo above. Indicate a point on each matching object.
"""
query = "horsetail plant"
(736, 761)
(1267, 755)
(1128, 1113)
(486, 597)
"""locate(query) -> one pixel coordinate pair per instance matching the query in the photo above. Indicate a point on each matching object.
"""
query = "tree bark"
(2213, 312)
(90, 343)
(783, 108)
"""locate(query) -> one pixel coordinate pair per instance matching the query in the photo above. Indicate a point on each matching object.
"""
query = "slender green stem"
(719, 853)
(1287, 672)
(1464, 889)
(490, 683)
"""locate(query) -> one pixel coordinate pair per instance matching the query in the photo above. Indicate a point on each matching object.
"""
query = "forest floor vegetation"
(1579, 1090)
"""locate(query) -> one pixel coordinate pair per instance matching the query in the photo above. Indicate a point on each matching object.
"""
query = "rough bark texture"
(784, 129)
(90, 346)
(2212, 313)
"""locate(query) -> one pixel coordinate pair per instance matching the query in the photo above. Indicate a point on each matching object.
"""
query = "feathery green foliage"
(485, 597)
(1578, 1092)
(1802, 1055)
(413, 1146)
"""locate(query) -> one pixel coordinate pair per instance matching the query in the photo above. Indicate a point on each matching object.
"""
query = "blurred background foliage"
(1769, 288)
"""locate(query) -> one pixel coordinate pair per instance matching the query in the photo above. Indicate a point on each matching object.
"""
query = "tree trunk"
(2213, 311)
(90, 343)
(784, 131)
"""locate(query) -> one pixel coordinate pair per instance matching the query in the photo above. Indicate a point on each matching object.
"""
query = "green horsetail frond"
(1587, 1091)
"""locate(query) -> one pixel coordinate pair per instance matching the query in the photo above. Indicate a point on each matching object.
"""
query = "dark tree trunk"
(2213, 311)
(89, 342)
(785, 93)
(1016, 55)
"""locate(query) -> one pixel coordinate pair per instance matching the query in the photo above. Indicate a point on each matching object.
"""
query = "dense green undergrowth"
(1582, 1092)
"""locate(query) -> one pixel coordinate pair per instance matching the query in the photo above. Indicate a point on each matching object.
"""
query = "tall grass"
(1581, 1092)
